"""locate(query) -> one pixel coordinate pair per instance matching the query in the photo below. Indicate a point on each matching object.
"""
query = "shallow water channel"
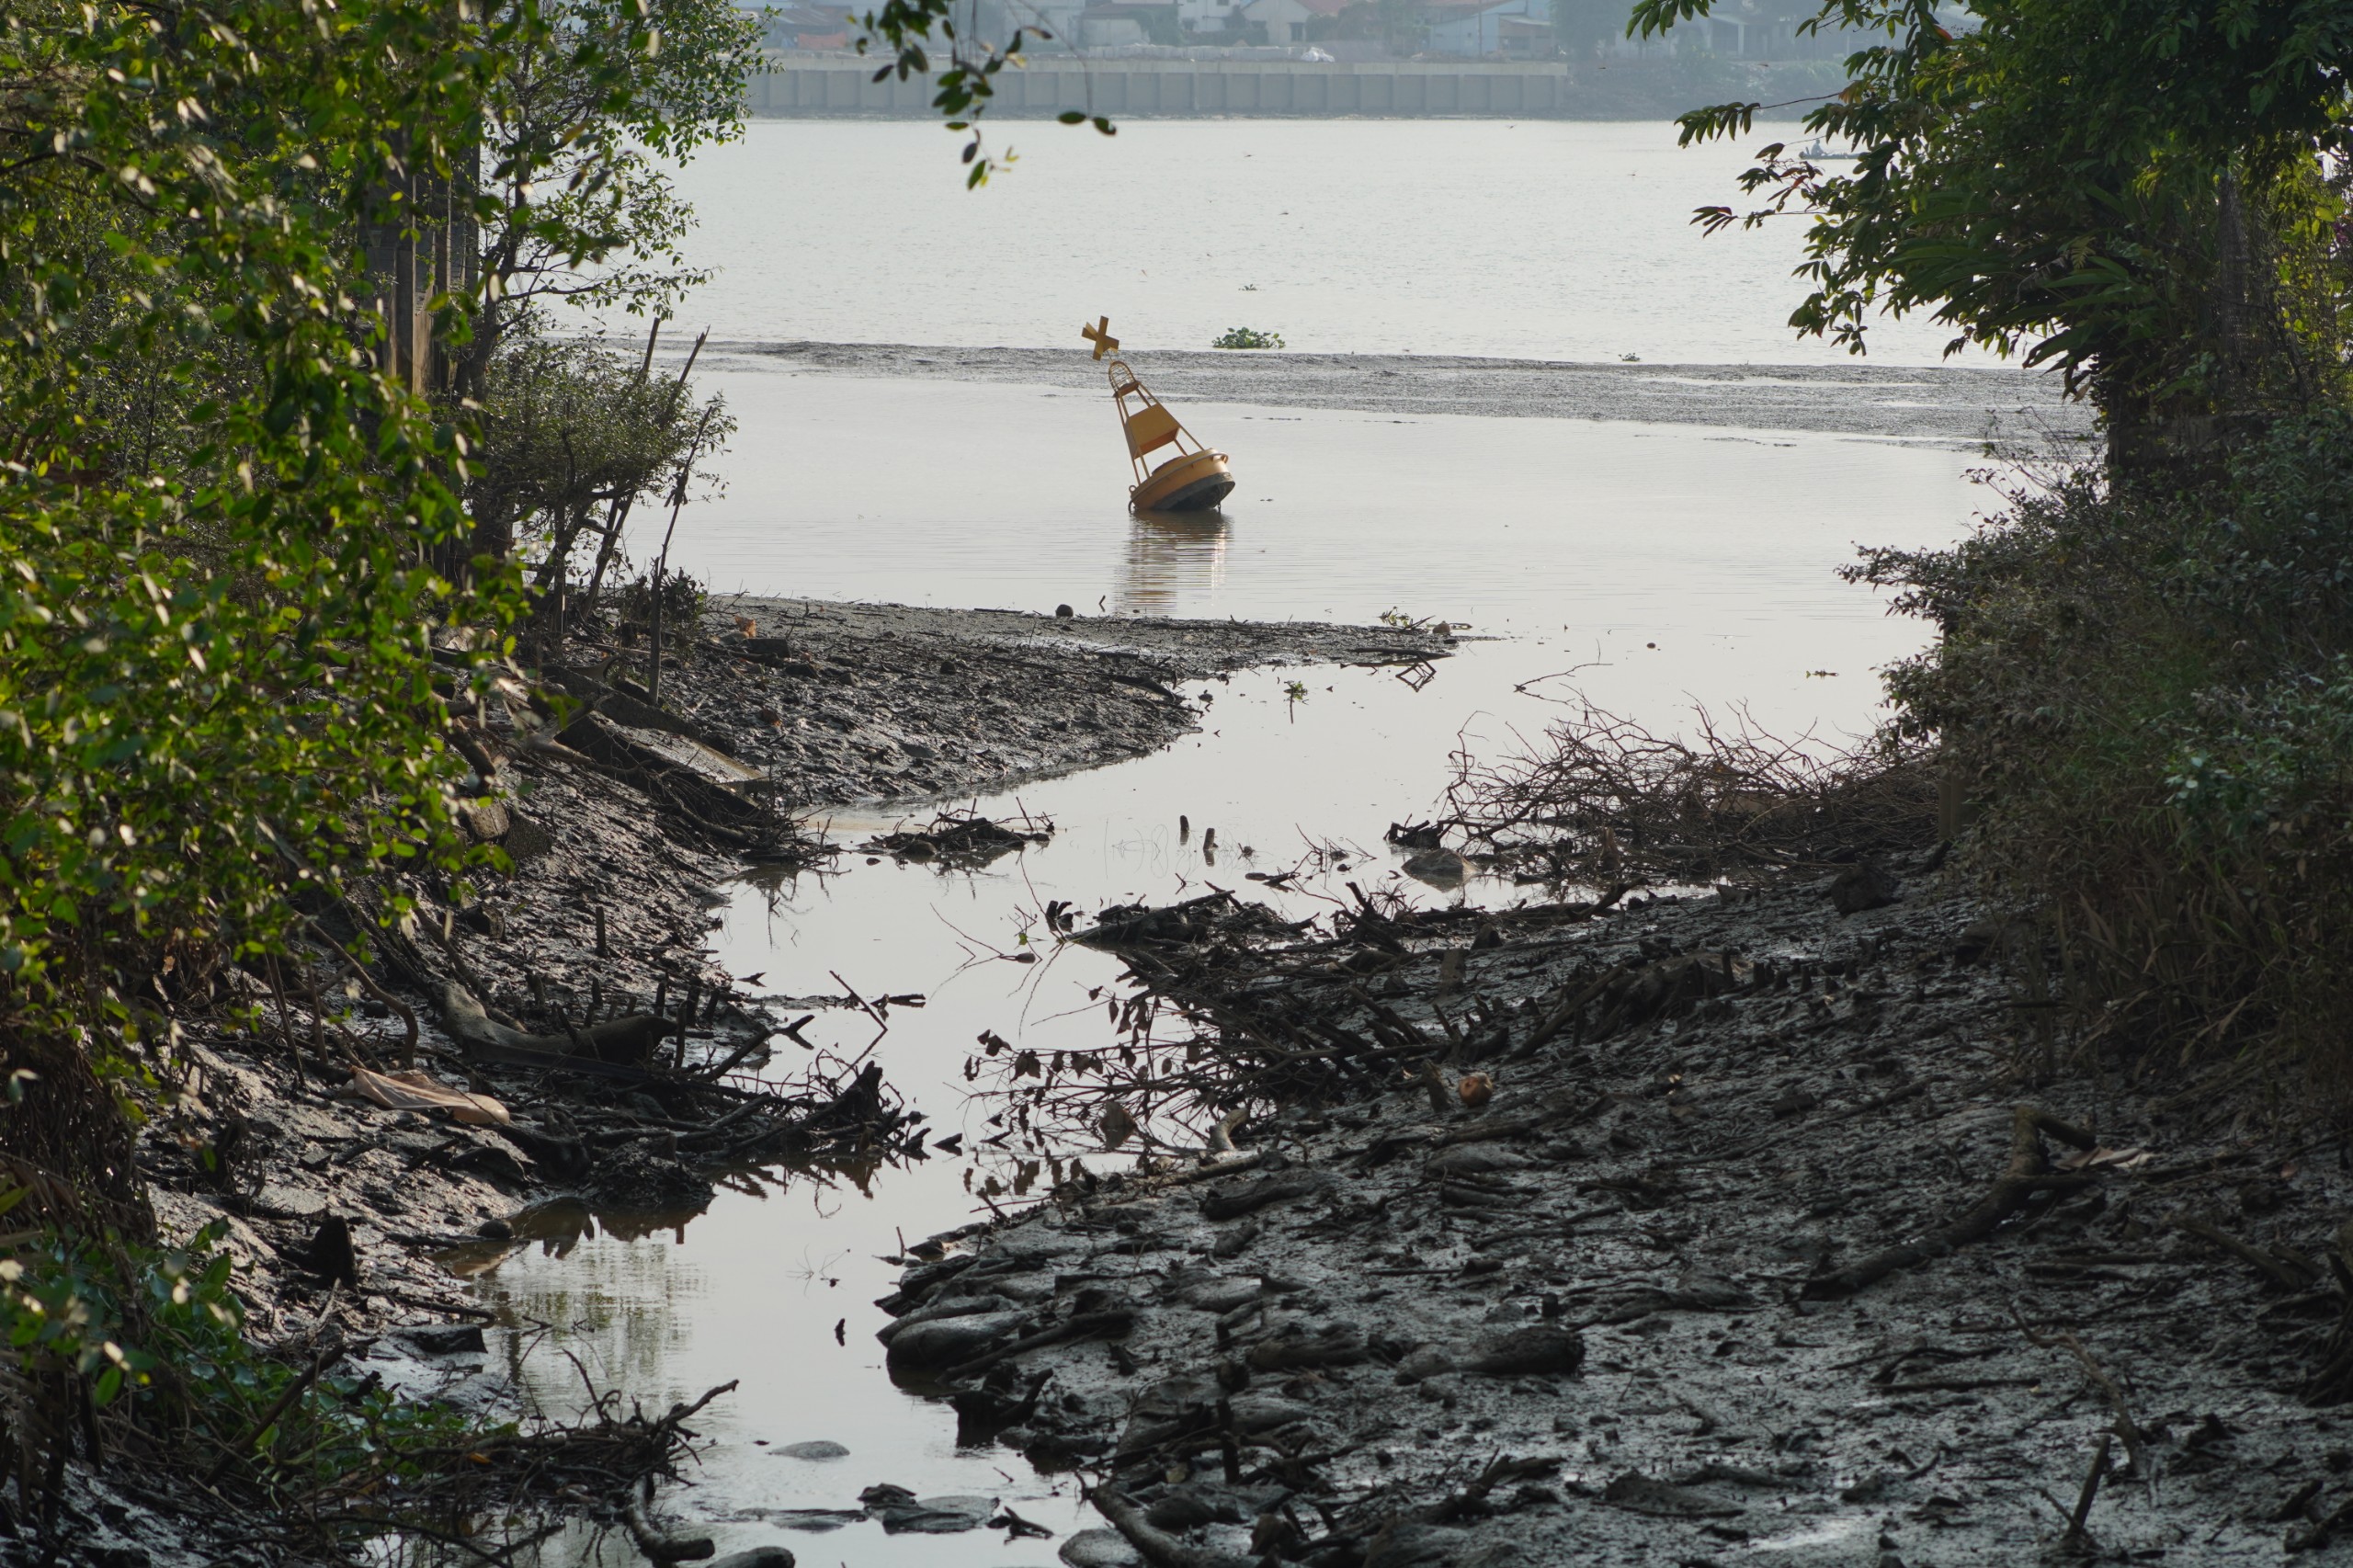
(1647, 567)
(1714, 577)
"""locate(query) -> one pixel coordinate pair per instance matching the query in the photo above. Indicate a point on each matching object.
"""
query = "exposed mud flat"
(1750, 1257)
(875, 702)
(1937, 404)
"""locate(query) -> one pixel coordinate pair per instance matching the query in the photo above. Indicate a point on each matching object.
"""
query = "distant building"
(1059, 18)
(1112, 23)
(1218, 16)
(1477, 29)
(806, 26)
(1293, 21)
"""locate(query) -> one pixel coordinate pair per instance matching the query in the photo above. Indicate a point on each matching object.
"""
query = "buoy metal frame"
(1193, 479)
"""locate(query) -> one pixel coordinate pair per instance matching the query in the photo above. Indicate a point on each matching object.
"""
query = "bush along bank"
(2146, 703)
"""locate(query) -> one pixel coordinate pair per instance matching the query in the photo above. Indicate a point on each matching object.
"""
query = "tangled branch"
(1607, 802)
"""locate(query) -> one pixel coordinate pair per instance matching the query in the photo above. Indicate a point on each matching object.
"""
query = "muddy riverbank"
(1676, 1232)
(852, 702)
(549, 1050)
(1628, 1231)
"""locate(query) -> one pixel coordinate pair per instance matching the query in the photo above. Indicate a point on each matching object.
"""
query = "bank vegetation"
(298, 452)
(2135, 711)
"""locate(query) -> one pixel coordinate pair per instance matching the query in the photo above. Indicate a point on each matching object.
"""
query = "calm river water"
(1541, 239)
(1648, 567)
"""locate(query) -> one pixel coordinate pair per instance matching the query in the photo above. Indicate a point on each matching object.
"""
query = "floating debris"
(968, 840)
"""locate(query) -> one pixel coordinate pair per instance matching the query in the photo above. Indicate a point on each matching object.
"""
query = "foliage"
(1246, 337)
(571, 434)
(219, 523)
(682, 601)
(910, 30)
(2150, 700)
(214, 649)
(154, 1339)
(583, 116)
(2132, 192)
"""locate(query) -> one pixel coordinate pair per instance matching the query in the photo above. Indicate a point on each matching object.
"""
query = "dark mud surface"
(1642, 1306)
(859, 702)
(1941, 404)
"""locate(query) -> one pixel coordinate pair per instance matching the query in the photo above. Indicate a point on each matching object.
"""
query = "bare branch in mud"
(1604, 801)
(2126, 1428)
(1235, 1011)
(2028, 1173)
(1155, 1545)
(2074, 1540)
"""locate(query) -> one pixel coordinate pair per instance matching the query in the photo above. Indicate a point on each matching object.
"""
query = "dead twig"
(2135, 1444)
(2280, 1272)
(2074, 1540)
(2028, 1173)
(1603, 800)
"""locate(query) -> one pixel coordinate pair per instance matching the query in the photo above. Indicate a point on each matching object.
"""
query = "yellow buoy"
(1193, 478)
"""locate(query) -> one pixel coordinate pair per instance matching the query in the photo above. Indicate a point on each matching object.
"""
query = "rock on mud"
(1100, 1548)
(949, 1341)
(901, 1512)
(821, 1449)
(1440, 867)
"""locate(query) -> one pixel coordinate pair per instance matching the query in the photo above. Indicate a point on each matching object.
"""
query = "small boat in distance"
(1193, 478)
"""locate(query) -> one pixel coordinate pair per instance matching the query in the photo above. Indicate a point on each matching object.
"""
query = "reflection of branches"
(415, 1488)
(811, 1273)
(1261, 1010)
(1595, 663)
(1416, 677)
(978, 952)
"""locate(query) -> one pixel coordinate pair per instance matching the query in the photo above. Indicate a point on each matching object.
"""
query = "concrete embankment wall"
(812, 87)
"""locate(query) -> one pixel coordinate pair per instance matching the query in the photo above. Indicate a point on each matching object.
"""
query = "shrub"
(1246, 337)
(682, 600)
(140, 1350)
(2149, 702)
